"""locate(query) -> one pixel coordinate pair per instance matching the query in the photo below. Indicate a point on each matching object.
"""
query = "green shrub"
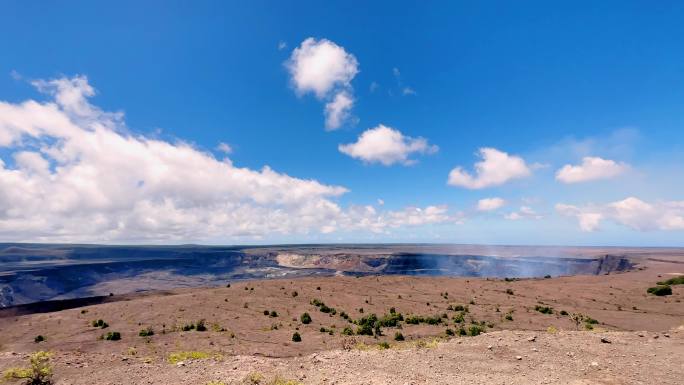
(296, 337)
(391, 320)
(39, 338)
(148, 332)
(590, 321)
(188, 327)
(679, 280)
(347, 331)
(266, 312)
(475, 330)
(305, 318)
(544, 309)
(365, 330)
(383, 345)
(449, 332)
(660, 290)
(462, 331)
(398, 336)
(459, 318)
(201, 326)
(39, 373)
(112, 336)
(273, 313)
(509, 317)
(563, 312)
(100, 324)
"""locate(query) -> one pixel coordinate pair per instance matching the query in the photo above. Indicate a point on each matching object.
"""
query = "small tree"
(40, 372)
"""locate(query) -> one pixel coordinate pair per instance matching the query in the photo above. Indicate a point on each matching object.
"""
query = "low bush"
(100, 324)
(347, 331)
(544, 309)
(39, 372)
(508, 317)
(475, 330)
(177, 357)
(509, 291)
(296, 337)
(383, 345)
(398, 336)
(305, 318)
(563, 312)
(39, 338)
(112, 336)
(273, 314)
(679, 280)
(147, 332)
(660, 290)
(201, 326)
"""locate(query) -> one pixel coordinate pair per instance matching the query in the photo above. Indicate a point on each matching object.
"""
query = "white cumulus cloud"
(592, 168)
(387, 146)
(490, 204)
(631, 212)
(326, 70)
(76, 174)
(525, 212)
(495, 168)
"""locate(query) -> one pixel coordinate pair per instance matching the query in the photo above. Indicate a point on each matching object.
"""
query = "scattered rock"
(532, 339)
(519, 358)
(605, 340)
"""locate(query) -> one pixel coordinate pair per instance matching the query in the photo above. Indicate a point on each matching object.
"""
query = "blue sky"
(546, 84)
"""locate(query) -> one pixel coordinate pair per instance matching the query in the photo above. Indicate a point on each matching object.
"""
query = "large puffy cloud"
(631, 212)
(495, 168)
(386, 145)
(76, 174)
(592, 168)
(325, 69)
(490, 204)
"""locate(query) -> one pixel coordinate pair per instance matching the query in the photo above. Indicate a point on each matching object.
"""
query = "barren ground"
(645, 331)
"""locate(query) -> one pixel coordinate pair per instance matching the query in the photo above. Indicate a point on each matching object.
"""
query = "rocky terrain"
(592, 329)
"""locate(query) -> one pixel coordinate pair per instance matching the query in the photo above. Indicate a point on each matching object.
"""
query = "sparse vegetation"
(475, 330)
(39, 338)
(398, 336)
(147, 332)
(112, 336)
(38, 373)
(347, 331)
(544, 309)
(100, 324)
(660, 290)
(679, 280)
(509, 291)
(296, 337)
(305, 318)
(177, 357)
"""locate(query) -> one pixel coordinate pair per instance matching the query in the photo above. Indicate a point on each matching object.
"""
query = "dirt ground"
(240, 339)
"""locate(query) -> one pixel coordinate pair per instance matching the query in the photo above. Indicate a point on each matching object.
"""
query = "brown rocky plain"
(637, 337)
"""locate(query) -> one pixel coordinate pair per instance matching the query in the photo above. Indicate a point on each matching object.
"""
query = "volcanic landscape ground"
(529, 336)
